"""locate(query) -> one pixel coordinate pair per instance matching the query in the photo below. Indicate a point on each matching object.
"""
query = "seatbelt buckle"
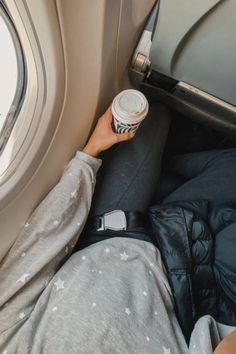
(114, 220)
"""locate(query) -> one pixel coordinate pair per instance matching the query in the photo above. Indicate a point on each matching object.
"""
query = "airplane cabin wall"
(85, 48)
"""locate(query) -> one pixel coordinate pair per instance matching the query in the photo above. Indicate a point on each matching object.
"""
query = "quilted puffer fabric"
(198, 248)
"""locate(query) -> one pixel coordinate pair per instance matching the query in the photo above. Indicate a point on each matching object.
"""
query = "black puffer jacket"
(198, 248)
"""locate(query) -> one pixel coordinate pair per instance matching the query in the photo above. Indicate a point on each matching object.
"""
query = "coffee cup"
(129, 109)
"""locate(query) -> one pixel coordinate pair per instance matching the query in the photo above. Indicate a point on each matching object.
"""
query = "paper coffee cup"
(129, 109)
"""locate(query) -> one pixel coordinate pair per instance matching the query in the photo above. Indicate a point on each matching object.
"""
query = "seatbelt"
(118, 220)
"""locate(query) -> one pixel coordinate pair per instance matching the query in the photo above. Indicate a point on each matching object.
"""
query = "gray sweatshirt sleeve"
(46, 240)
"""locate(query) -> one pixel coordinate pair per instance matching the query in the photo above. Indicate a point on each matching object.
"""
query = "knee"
(225, 161)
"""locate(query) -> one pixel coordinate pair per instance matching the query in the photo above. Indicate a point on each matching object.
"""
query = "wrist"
(91, 150)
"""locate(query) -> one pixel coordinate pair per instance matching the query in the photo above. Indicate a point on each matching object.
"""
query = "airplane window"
(11, 76)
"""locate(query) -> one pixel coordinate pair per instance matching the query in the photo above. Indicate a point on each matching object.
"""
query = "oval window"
(11, 76)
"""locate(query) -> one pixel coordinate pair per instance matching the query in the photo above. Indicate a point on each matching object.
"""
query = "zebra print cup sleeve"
(129, 109)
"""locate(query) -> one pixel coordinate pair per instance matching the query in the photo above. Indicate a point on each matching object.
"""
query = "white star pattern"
(107, 250)
(127, 311)
(83, 258)
(23, 254)
(59, 284)
(155, 313)
(22, 279)
(74, 194)
(78, 223)
(55, 222)
(151, 265)
(144, 293)
(21, 315)
(94, 304)
(5, 352)
(99, 272)
(70, 174)
(123, 256)
(54, 308)
(93, 270)
(27, 225)
(147, 339)
(166, 350)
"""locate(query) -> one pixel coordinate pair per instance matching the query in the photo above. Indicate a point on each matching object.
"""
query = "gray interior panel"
(195, 42)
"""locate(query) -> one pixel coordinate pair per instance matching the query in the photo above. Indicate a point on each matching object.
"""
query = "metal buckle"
(114, 220)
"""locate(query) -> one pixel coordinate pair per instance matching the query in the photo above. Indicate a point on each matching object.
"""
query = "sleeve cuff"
(94, 162)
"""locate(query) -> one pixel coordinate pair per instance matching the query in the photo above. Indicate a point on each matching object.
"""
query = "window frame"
(42, 107)
(13, 112)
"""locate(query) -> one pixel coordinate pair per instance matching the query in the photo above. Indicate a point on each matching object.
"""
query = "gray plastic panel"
(195, 42)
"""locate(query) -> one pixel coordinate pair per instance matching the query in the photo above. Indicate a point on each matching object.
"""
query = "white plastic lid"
(130, 106)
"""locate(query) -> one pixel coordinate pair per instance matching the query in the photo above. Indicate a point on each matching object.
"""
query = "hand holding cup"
(103, 136)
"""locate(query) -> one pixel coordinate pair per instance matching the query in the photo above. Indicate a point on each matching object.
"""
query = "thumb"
(125, 136)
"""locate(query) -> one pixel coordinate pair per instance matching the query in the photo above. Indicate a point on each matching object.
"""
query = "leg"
(209, 175)
(129, 176)
(104, 305)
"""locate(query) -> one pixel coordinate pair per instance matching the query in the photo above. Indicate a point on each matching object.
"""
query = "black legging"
(207, 175)
(128, 177)
(130, 171)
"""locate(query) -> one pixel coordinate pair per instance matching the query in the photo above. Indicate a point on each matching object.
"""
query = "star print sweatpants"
(112, 297)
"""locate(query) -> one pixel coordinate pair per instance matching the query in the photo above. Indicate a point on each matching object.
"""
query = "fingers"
(124, 137)
(108, 111)
(107, 116)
